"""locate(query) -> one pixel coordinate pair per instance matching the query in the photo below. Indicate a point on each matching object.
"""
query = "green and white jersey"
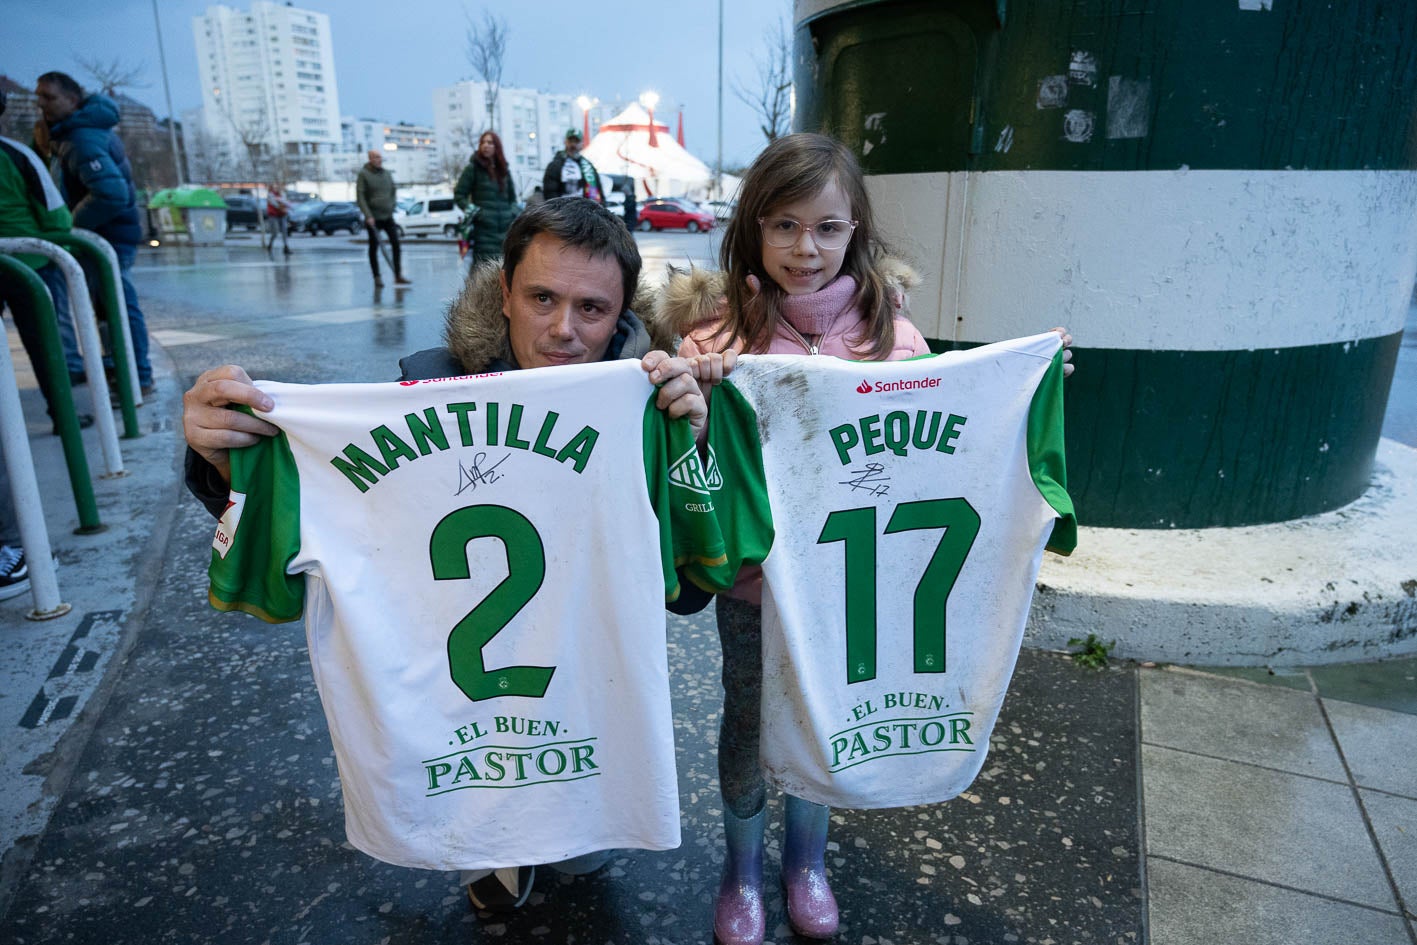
(482, 564)
(900, 511)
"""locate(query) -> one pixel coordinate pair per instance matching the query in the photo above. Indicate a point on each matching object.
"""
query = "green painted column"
(1218, 199)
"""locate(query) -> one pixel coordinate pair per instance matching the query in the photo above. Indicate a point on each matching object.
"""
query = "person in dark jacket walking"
(631, 208)
(485, 191)
(377, 195)
(92, 170)
(570, 175)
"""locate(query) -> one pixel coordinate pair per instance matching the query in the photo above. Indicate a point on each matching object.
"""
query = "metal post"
(126, 359)
(171, 115)
(61, 393)
(82, 310)
(718, 162)
(24, 487)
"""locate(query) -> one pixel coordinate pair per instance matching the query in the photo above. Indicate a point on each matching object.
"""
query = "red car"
(672, 213)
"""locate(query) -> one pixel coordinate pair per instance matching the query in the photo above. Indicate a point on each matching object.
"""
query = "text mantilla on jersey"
(897, 432)
(423, 433)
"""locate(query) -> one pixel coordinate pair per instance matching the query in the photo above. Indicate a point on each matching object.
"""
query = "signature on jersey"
(470, 477)
(872, 477)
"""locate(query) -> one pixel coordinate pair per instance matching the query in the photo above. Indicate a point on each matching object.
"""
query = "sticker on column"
(1077, 126)
(1128, 109)
(1082, 70)
(1052, 91)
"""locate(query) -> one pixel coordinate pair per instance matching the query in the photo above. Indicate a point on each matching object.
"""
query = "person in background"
(571, 175)
(631, 208)
(30, 205)
(488, 198)
(92, 170)
(277, 214)
(377, 195)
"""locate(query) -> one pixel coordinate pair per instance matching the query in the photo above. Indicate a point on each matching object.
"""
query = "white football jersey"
(900, 510)
(482, 564)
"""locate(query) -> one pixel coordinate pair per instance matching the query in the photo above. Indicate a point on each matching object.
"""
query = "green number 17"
(857, 529)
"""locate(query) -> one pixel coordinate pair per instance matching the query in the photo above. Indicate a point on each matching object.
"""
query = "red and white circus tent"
(627, 144)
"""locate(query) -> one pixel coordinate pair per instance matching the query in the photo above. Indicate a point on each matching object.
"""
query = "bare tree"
(111, 77)
(770, 97)
(486, 51)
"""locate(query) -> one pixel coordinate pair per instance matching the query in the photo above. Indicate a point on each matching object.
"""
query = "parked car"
(672, 213)
(337, 216)
(302, 213)
(433, 215)
(242, 210)
(722, 210)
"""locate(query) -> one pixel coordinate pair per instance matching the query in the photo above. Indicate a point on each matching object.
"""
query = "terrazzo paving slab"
(206, 808)
(1190, 905)
(1260, 824)
(1238, 721)
(1394, 822)
(1379, 744)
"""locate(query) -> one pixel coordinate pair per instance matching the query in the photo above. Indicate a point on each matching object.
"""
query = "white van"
(436, 215)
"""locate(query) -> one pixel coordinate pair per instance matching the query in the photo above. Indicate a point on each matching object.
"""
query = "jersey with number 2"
(900, 511)
(482, 564)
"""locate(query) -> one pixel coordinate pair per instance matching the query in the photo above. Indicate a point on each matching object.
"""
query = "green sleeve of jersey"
(1046, 456)
(738, 488)
(262, 537)
(678, 490)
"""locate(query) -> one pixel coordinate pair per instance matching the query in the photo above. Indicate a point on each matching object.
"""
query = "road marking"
(70, 677)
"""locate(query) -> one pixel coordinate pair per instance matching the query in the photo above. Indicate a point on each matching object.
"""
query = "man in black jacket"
(571, 175)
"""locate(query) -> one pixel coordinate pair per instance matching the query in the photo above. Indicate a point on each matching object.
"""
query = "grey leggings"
(740, 633)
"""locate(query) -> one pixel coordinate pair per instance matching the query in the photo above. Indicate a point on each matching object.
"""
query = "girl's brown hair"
(791, 168)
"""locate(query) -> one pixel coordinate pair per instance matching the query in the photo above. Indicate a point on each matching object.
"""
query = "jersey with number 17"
(900, 511)
(482, 564)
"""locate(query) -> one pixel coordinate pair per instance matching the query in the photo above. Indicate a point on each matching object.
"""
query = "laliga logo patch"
(864, 387)
(226, 528)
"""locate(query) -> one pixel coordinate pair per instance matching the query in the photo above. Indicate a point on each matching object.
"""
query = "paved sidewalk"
(189, 793)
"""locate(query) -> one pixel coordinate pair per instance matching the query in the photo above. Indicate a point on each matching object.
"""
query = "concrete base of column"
(1331, 588)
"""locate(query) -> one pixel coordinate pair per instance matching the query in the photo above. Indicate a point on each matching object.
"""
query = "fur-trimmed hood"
(695, 297)
(475, 330)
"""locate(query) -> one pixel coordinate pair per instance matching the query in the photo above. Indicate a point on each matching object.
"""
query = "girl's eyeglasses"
(782, 232)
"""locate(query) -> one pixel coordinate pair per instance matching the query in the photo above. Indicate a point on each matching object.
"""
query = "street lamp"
(585, 104)
(649, 100)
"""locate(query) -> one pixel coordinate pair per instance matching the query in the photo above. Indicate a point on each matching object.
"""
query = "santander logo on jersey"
(444, 380)
(881, 387)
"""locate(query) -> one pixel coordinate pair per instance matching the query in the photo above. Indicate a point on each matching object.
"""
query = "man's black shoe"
(85, 421)
(491, 893)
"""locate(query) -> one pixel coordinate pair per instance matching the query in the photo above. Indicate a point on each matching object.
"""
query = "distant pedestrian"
(488, 198)
(571, 175)
(278, 216)
(377, 195)
(92, 170)
(631, 208)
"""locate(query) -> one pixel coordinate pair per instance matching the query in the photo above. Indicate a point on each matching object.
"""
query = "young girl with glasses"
(802, 275)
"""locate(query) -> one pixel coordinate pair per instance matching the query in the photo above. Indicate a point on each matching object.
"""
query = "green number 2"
(526, 569)
(857, 529)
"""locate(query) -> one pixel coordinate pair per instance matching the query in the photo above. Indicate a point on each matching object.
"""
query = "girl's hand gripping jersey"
(483, 565)
(900, 511)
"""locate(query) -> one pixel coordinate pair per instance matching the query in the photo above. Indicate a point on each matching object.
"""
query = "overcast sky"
(391, 54)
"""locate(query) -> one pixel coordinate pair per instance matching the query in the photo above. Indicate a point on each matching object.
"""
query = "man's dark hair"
(65, 82)
(578, 222)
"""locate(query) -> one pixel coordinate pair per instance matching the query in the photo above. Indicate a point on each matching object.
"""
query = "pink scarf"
(814, 314)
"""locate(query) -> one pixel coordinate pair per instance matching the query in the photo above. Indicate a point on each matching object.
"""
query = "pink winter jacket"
(821, 313)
